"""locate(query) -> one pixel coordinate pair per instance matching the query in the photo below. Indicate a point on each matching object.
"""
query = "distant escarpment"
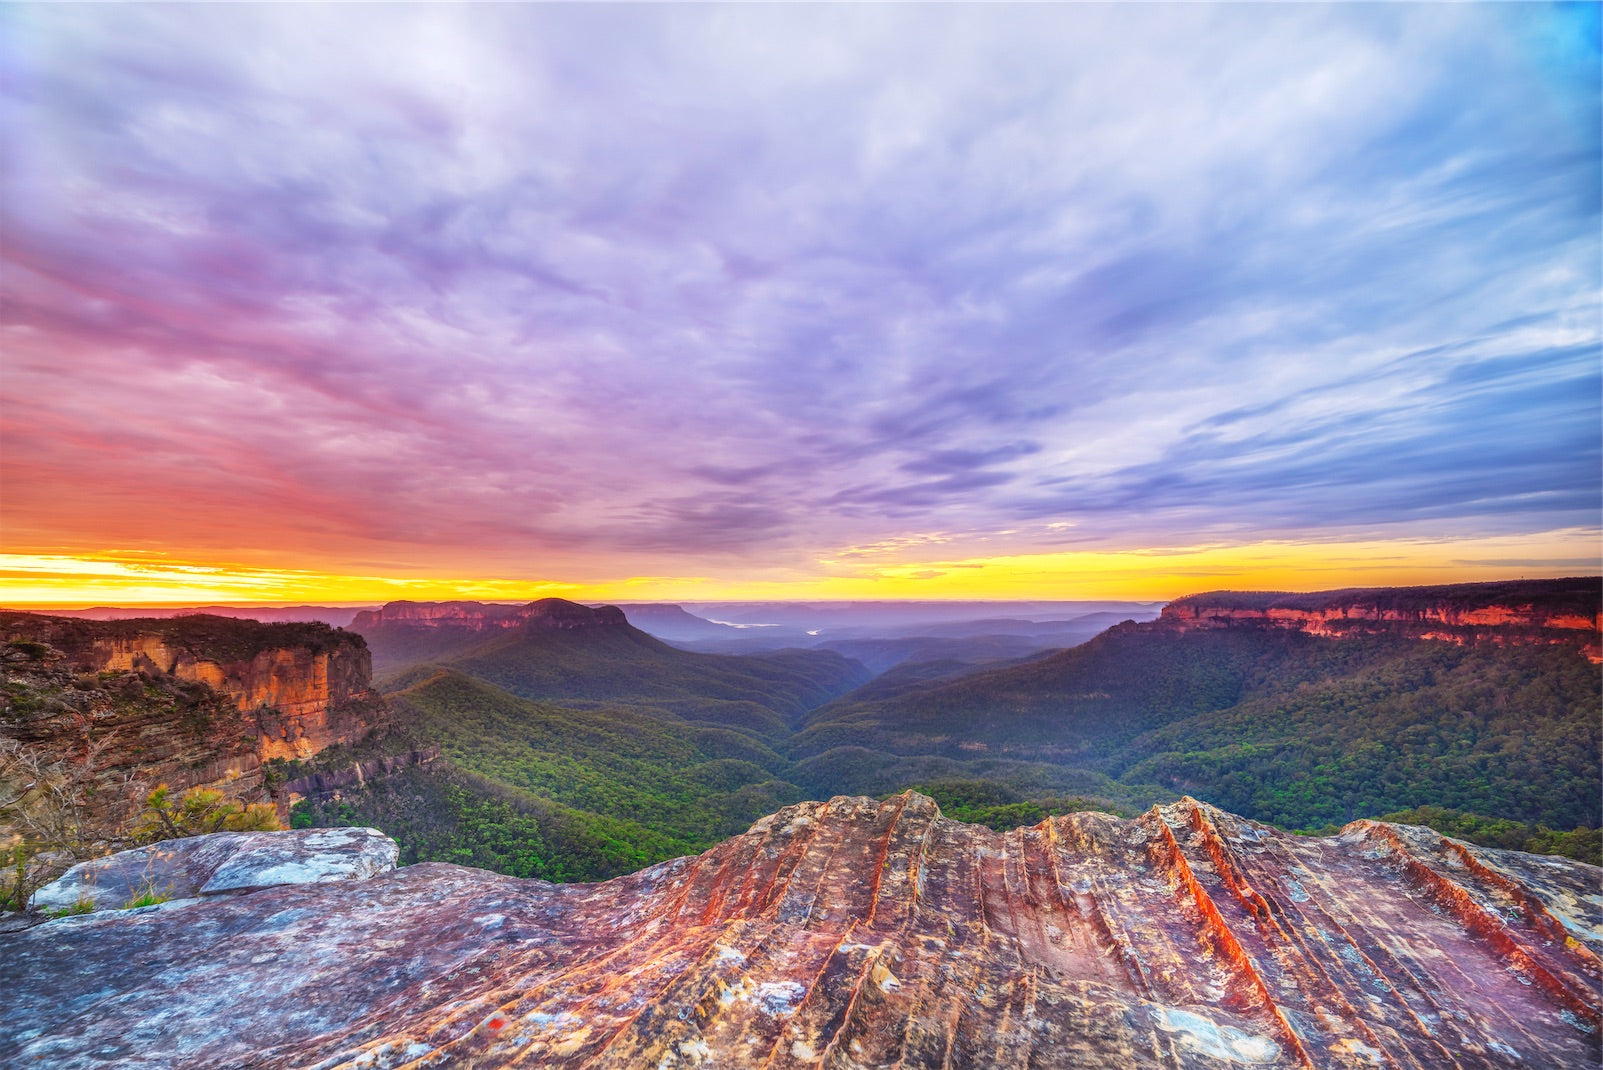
(852, 934)
(409, 633)
(186, 701)
(481, 617)
(1566, 612)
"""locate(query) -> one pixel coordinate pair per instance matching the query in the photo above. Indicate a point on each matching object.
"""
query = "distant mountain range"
(574, 745)
(1013, 629)
(752, 625)
(335, 616)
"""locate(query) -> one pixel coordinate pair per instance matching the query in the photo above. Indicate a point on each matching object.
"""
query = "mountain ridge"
(1560, 612)
(481, 616)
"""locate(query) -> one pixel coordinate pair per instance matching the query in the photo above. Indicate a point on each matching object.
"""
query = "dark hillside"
(539, 789)
(761, 693)
(1277, 724)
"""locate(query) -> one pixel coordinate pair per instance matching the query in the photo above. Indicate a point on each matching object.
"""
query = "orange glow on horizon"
(62, 581)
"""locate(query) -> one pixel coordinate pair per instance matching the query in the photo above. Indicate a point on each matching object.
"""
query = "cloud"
(506, 287)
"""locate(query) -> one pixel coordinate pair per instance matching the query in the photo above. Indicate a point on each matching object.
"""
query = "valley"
(1130, 868)
(667, 751)
(560, 741)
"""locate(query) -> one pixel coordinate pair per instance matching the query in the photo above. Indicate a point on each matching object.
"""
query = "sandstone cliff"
(556, 613)
(859, 934)
(1559, 612)
(189, 701)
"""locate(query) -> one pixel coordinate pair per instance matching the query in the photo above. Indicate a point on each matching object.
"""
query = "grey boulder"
(222, 863)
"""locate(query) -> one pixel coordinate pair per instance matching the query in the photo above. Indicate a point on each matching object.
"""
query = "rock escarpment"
(188, 701)
(320, 785)
(407, 633)
(857, 933)
(1565, 612)
(554, 613)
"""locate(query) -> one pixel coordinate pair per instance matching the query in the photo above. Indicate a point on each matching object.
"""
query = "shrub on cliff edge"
(199, 811)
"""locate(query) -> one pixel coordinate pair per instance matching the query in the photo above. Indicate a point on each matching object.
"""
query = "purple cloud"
(512, 287)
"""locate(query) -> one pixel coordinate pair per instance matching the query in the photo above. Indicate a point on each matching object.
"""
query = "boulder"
(224, 863)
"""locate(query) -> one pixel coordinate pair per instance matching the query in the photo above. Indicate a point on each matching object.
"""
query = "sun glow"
(63, 581)
(907, 572)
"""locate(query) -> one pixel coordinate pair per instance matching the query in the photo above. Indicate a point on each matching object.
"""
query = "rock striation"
(1566, 612)
(856, 933)
(320, 785)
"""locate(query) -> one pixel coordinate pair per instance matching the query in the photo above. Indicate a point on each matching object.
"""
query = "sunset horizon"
(345, 304)
(978, 536)
(44, 582)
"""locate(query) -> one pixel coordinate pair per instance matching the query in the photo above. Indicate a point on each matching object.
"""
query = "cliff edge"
(1566, 612)
(554, 613)
(856, 933)
(193, 701)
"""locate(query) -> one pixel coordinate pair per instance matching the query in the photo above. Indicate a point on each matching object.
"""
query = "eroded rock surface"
(857, 933)
(220, 864)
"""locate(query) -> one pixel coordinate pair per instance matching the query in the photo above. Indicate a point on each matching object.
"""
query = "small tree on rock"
(199, 811)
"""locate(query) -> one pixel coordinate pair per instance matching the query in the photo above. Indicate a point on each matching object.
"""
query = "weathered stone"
(358, 773)
(222, 863)
(857, 933)
(189, 702)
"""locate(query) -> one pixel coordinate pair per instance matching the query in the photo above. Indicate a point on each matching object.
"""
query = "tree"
(199, 811)
(50, 817)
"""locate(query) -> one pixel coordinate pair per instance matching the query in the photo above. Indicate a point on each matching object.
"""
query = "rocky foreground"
(851, 933)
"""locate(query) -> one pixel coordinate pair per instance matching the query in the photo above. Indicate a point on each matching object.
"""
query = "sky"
(345, 303)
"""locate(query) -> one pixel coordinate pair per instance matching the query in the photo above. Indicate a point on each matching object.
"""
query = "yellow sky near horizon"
(64, 581)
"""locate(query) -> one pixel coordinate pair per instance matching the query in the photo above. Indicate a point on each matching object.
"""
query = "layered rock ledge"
(1563, 612)
(192, 701)
(857, 933)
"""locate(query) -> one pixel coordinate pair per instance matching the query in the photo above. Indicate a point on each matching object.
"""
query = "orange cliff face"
(1536, 612)
(301, 697)
(189, 701)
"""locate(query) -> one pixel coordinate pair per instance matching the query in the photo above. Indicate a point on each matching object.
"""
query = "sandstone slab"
(855, 934)
(220, 864)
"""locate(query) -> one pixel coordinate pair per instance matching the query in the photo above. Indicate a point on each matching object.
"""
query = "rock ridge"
(222, 863)
(1566, 612)
(552, 613)
(856, 933)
